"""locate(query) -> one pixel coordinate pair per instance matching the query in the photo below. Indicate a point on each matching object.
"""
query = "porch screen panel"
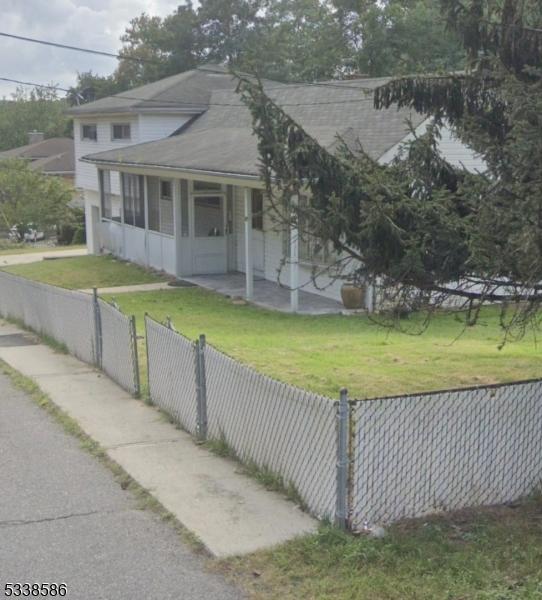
(185, 230)
(153, 200)
(166, 207)
(166, 216)
(105, 193)
(133, 200)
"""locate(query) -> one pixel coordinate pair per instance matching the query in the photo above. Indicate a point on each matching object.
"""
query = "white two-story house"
(171, 176)
(147, 113)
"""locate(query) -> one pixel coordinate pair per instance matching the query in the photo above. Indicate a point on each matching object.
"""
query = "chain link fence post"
(148, 398)
(201, 389)
(97, 328)
(133, 335)
(343, 433)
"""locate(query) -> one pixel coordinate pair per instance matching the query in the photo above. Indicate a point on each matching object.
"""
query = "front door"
(210, 254)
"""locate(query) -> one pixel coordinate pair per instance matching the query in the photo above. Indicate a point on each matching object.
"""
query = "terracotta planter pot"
(353, 296)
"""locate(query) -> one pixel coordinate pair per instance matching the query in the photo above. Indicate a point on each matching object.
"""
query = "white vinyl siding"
(143, 128)
(156, 127)
(453, 150)
(86, 174)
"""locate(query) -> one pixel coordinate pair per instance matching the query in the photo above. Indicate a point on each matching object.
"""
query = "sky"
(96, 24)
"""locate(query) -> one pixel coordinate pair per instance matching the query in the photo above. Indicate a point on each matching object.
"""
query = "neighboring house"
(52, 156)
(192, 201)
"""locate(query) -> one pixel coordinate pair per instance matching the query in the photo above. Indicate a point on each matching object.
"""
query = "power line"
(31, 84)
(76, 48)
(156, 62)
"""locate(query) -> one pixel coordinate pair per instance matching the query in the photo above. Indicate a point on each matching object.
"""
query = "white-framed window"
(120, 131)
(89, 132)
(133, 199)
(160, 205)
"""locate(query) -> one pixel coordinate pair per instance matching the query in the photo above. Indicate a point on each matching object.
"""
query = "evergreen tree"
(426, 231)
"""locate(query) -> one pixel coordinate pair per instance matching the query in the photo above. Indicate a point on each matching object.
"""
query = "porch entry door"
(258, 252)
(210, 249)
(257, 233)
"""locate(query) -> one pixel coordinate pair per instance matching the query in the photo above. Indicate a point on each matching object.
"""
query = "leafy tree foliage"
(91, 86)
(288, 40)
(296, 41)
(40, 110)
(396, 37)
(28, 196)
(426, 231)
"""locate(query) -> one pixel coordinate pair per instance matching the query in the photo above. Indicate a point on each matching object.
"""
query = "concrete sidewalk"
(126, 289)
(229, 512)
(32, 257)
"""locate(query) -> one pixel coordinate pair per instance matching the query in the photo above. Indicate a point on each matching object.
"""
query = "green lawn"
(85, 272)
(490, 554)
(324, 353)
(7, 249)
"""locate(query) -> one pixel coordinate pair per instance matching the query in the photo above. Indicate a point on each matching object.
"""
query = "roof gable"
(189, 91)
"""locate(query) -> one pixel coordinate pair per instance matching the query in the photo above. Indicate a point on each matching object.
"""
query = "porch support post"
(249, 267)
(294, 259)
(177, 228)
(146, 217)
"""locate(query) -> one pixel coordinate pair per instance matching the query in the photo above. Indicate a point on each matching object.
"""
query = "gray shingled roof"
(57, 164)
(221, 140)
(53, 155)
(189, 91)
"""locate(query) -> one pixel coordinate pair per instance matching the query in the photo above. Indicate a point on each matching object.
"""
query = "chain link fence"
(421, 454)
(92, 330)
(280, 428)
(171, 371)
(64, 315)
(371, 461)
(284, 430)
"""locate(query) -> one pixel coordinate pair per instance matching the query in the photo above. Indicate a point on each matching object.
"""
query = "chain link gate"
(117, 345)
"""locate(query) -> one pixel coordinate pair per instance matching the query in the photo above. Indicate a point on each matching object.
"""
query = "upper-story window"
(89, 132)
(120, 131)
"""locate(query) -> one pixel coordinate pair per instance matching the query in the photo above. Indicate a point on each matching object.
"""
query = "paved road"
(63, 518)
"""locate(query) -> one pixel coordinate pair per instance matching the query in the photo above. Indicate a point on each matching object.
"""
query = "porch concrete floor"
(267, 294)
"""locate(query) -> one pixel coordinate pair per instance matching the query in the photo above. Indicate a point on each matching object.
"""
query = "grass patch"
(324, 353)
(85, 272)
(486, 554)
(144, 500)
(8, 248)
